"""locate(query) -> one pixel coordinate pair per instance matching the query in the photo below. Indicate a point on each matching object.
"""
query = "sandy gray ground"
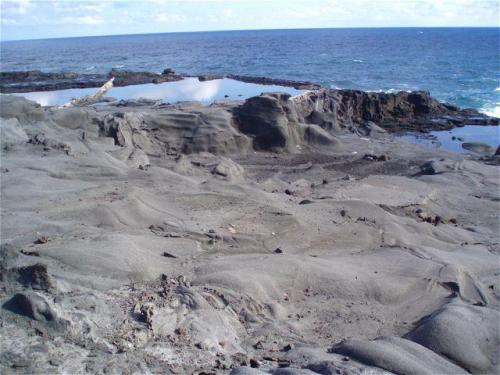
(133, 258)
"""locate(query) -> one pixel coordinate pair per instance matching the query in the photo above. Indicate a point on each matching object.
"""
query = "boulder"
(479, 148)
(229, 170)
(467, 335)
(397, 355)
(31, 305)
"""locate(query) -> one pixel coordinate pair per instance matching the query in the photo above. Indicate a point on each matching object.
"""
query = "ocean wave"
(90, 68)
(389, 91)
(357, 61)
(497, 89)
(119, 66)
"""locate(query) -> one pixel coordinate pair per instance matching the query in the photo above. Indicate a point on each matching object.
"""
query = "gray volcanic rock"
(391, 111)
(32, 305)
(160, 226)
(454, 333)
(267, 118)
(21, 109)
(397, 355)
(276, 123)
(477, 147)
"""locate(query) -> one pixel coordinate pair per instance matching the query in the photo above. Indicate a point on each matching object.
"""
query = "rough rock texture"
(180, 239)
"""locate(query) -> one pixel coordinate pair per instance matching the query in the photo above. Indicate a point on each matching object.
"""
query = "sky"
(34, 19)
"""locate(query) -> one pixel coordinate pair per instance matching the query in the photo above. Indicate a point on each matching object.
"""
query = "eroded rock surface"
(144, 239)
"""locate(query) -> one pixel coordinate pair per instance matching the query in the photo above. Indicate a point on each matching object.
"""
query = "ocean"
(457, 65)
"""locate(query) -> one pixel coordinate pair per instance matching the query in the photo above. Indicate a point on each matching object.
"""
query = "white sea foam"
(90, 68)
(357, 61)
(497, 89)
(119, 66)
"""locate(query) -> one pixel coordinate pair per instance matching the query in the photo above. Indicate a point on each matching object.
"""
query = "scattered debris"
(258, 345)
(41, 239)
(254, 363)
(168, 255)
(147, 312)
(372, 157)
(278, 251)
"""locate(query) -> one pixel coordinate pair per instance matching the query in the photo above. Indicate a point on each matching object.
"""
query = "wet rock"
(168, 255)
(278, 251)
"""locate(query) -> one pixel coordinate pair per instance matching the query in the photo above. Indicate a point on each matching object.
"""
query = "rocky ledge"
(36, 80)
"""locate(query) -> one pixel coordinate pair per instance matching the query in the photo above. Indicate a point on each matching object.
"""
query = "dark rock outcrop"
(276, 122)
(125, 77)
(41, 81)
(32, 305)
(412, 111)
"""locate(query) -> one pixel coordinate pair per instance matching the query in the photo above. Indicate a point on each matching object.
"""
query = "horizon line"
(279, 29)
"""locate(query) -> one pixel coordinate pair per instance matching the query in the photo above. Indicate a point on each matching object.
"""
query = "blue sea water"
(457, 65)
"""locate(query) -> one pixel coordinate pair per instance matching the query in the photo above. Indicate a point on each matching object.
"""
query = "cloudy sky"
(31, 19)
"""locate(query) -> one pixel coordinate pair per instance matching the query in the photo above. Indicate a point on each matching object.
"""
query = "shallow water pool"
(453, 139)
(189, 89)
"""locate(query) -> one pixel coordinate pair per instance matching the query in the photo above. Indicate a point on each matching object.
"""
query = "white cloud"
(16, 6)
(84, 20)
(169, 18)
(22, 17)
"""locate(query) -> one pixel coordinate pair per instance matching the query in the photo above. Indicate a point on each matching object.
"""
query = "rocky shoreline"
(285, 235)
(394, 112)
(35, 80)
